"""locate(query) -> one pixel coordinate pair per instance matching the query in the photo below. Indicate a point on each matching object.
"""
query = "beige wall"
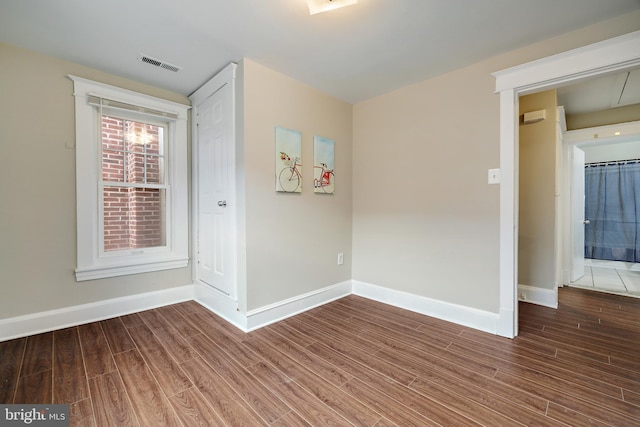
(292, 240)
(37, 189)
(629, 113)
(537, 210)
(425, 220)
(419, 217)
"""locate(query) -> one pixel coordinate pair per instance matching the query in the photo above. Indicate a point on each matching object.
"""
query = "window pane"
(135, 136)
(132, 151)
(112, 146)
(116, 218)
(155, 170)
(135, 167)
(112, 165)
(133, 218)
(112, 136)
(155, 157)
(155, 146)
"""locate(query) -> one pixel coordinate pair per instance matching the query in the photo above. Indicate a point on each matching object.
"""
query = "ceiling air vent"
(158, 63)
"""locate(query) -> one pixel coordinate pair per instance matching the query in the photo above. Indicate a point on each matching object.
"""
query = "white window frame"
(92, 261)
(165, 185)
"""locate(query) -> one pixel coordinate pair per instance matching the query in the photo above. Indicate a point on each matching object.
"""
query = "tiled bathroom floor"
(611, 276)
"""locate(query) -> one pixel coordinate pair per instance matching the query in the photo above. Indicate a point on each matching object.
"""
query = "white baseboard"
(220, 304)
(30, 324)
(227, 308)
(272, 313)
(466, 316)
(540, 296)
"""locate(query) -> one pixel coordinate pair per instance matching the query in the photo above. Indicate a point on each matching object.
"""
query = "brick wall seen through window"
(132, 158)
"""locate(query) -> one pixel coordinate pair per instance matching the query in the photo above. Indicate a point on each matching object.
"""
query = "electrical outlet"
(340, 258)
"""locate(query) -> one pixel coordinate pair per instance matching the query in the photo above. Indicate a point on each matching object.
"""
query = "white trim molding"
(36, 323)
(92, 261)
(272, 313)
(220, 304)
(616, 54)
(539, 296)
(465, 316)
(223, 306)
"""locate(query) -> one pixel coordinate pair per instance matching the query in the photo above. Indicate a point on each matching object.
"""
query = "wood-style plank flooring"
(350, 362)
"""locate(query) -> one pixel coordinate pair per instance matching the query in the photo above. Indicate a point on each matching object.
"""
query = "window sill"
(101, 272)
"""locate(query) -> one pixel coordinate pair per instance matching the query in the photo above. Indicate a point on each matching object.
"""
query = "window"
(131, 182)
(133, 185)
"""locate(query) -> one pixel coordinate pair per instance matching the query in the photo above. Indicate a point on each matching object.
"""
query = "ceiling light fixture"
(317, 6)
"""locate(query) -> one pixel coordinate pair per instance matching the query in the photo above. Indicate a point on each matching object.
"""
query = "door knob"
(222, 203)
(586, 221)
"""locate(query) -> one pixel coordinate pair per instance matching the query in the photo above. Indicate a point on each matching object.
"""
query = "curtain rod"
(612, 162)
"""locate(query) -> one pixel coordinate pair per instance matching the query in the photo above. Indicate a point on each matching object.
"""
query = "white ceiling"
(603, 93)
(353, 53)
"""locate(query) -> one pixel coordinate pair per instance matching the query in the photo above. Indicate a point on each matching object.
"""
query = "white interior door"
(577, 214)
(215, 204)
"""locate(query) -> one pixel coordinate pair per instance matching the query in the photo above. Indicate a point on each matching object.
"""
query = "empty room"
(314, 212)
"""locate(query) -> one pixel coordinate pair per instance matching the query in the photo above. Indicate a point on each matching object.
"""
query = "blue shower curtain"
(612, 207)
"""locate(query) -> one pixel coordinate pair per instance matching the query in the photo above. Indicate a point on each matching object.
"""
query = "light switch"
(494, 176)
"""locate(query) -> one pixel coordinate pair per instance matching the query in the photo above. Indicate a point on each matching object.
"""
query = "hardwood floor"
(350, 362)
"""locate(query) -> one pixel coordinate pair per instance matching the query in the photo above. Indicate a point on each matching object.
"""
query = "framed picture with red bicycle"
(323, 165)
(288, 160)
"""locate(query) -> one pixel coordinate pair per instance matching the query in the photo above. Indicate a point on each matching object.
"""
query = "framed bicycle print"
(288, 158)
(323, 165)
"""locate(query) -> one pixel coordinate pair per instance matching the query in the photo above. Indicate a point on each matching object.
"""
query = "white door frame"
(613, 55)
(574, 225)
(609, 134)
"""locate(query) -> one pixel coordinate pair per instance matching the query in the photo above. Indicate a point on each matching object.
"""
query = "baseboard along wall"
(36, 323)
(540, 296)
(226, 308)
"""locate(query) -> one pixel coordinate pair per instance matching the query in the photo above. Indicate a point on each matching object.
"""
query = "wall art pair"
(288, 160)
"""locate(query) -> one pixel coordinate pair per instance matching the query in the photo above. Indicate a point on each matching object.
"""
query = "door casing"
(609, 56)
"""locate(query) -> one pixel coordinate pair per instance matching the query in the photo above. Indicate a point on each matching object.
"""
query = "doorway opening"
(609, 56)
(602, 236)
